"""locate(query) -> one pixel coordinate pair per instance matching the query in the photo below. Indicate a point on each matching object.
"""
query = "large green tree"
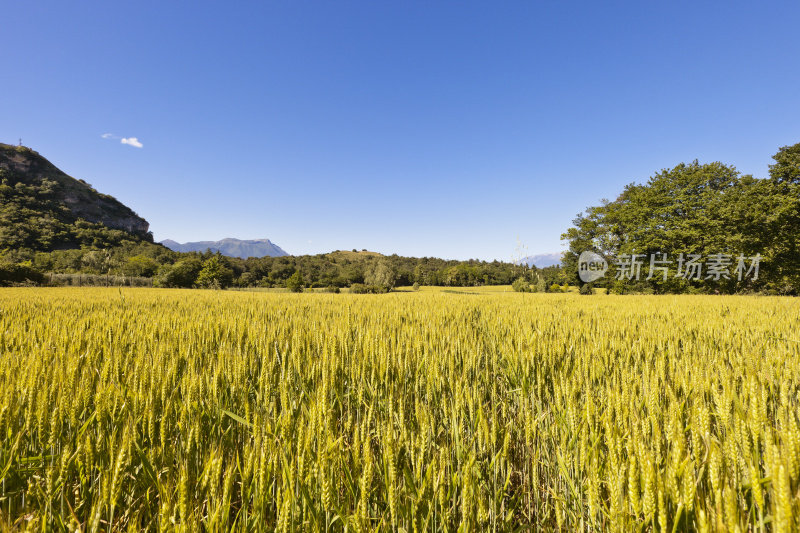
(381, 274)
(215, 273)
(703, 209)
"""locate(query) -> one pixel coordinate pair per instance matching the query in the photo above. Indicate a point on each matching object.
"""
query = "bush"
(17, 274)
(181, 274)
(215, 274)
(360, 288)
(416, 286)
(140, 266)
(555, 287)
(586, 289)
(541, 285)
(332, 289)
(381, 275)
(521, 285)
(295, 282)
(98, 280)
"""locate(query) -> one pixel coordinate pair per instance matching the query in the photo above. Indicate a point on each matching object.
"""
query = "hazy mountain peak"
(541, 260)
(230, 246)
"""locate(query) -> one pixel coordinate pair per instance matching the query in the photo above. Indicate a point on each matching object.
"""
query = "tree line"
(724, 221)
(359, 271)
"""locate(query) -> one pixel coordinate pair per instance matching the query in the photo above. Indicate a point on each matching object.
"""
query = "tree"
(181, 274)
(521, 285)
(295, 282)
(784, 229)
(214, 274)
(381, 275)
(787, 165)
(703, 209)
(19, 274)
(140, 265)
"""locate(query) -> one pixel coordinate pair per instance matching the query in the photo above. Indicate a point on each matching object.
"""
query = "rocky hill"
(42, 208)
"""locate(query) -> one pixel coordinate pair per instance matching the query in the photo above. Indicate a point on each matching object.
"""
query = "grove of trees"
(704, 210)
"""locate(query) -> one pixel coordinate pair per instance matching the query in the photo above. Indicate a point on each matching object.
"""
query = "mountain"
(230, 247)
(43, 209)
(541, 260)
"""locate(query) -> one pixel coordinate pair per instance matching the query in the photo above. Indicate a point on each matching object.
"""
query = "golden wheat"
(188, 410)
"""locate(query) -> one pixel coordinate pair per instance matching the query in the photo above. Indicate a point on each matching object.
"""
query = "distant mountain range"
(541, 260)
(230, 247)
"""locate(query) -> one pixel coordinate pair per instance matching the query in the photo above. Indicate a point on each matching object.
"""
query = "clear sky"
(431, 128)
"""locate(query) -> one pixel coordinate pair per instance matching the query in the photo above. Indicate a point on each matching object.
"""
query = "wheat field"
(169, 410)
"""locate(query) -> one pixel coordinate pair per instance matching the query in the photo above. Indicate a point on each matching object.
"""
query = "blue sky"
(442, 129)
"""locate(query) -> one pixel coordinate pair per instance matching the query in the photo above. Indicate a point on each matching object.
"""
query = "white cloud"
(132, 141)
(108, 136)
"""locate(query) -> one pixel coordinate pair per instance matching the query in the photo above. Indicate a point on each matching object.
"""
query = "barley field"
(170, 410)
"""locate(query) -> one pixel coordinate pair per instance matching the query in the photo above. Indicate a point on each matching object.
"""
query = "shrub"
(295, 282)
(97, 280)
(381, 274)
(215, 274)
(140, 266)
(416, 286)
(521, 285)
(19, 274)
(541, 285)
(586, 289)
(181, 274)
(360, 288)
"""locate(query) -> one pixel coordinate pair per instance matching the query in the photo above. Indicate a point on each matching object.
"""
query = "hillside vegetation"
(43, 209)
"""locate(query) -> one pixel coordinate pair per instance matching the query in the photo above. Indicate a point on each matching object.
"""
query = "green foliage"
(701, 209)
(295, 283)
(63, 226)
(586, 289)
(215, 274)
(786, 168)
(521, 285)
(96, 280)
(145, 259)
(43, 209)
(140, 266)
(360, 288)
(19, 274)
(381, 275)
(416, 286)
(181, 274)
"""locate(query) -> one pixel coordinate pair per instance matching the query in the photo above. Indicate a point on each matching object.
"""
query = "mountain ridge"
(541, 260)
(42, 208)
(231, 247)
